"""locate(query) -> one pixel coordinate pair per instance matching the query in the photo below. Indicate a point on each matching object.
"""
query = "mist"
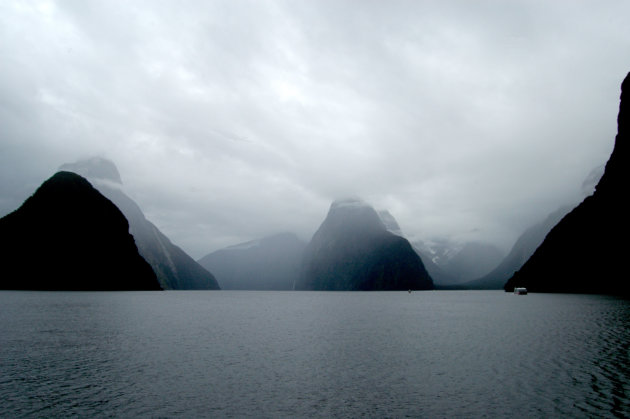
(232, 120)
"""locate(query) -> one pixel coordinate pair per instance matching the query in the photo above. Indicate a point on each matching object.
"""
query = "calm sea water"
(305, 354)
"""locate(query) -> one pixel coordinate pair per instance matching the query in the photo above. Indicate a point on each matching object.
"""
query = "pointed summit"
(67, 236)
(353, 251)
(174, 268)
(95, 168)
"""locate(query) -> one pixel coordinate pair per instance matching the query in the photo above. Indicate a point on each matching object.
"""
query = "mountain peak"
(98, 168)
(352, 214)
(353, 250)
(350, 202)
(68, 236)
(173, 267)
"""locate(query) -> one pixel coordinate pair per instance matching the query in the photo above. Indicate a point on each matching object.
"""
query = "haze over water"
(274, 354)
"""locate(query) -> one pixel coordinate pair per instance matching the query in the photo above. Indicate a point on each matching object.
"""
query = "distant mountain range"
(448, 262)
(521, 251)
(68, 236)
(270, 263)
(75, 233)
(174, 268)
(586, 251)
(353, 250)
(523, 248)
(451, 263)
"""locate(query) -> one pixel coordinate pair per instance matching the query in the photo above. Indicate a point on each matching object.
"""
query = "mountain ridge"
(270, 263)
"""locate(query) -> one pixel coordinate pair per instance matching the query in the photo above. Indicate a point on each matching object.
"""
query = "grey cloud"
(229, 120)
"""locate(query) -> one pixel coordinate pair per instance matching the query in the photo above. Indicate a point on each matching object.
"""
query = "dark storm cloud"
(229, 120)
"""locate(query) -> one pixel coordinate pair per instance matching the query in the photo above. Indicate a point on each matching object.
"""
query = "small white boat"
(520, 290)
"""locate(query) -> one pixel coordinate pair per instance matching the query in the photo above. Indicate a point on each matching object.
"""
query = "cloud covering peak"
(95, 168)
(232, 120)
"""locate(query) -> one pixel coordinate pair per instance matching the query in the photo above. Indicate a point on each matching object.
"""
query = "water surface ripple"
(298, 354)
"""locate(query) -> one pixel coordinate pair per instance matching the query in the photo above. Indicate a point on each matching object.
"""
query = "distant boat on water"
(520, 290)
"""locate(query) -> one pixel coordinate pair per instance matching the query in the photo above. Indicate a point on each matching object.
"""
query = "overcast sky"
(231, 120)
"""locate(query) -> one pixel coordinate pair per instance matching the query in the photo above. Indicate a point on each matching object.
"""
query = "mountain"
(528, 242)
(473, 260)
(586, 251)
(523, 248)
(174, 269)
(68, 236)
(353, 250)
(453, 263)
(435, 272)
(271, 263)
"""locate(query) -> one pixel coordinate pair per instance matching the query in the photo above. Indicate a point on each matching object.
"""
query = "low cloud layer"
(230, 120)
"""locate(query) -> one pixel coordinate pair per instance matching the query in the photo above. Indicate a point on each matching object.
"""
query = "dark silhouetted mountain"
(67, 236)
(523, 248)
(454, 263)
(586, 251)
(353, 250)
(271, 263)
(174, 268)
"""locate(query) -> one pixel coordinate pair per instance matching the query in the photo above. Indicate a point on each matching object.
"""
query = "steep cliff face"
(586, 251)
(174, 268)
(353, 250)
(523, 249)
(270, 263)
(68, 236)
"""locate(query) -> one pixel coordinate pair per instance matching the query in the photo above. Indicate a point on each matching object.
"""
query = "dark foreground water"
(304, 354)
